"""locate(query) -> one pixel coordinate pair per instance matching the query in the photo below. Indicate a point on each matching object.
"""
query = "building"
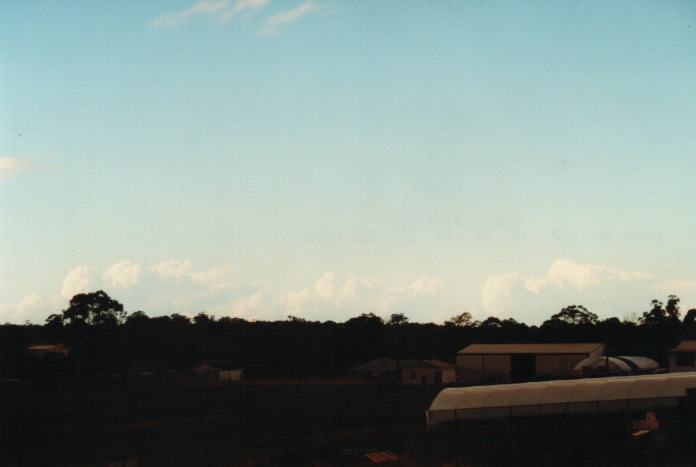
(683, 357)
(514, 363)
(635, 395)
(41, 350)
(428, 372)
(219, 370)
(379, 370)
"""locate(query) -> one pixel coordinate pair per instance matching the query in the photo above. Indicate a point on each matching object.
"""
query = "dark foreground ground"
(121, 423)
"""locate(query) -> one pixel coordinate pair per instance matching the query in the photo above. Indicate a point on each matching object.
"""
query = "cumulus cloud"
(219, 277)
(171, 269)
(564, 280)
(123, 274)
(275, 22)
(12, 165)
(222, 11)
(567, 273)
(423, 286)
(77, 281)
(496, 292)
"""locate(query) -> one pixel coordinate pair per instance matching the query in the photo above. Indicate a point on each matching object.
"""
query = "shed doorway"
(522, 368)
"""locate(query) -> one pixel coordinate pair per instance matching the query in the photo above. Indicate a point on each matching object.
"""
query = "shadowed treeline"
(105, 339)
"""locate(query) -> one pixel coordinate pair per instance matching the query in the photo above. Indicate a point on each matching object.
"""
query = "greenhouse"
(564, 397)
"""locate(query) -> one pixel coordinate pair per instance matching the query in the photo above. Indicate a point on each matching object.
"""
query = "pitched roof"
(379, 365)
(685, 346)
(579, 348)
(432, 363)
(219, 365)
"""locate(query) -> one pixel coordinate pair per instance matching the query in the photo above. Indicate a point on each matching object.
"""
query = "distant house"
(683, 357)
(428, 372)
(379, 370)
(512, 363)
(220, 370)
(41, 350)
(148, 368)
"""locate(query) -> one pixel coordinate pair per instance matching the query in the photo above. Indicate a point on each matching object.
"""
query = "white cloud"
(216, 278)
(12, 165)
(241, 6)
(496, 292)
(202, 8)
(123, 274)
(171, 269)
(567, 273)
(220, 11)
(423, 286)
(272, 24)
(77, 281)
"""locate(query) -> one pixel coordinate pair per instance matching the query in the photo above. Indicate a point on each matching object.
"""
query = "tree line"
(104, 339)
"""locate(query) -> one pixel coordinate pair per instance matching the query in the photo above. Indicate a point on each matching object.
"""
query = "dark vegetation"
(104, 339)
(83, 408)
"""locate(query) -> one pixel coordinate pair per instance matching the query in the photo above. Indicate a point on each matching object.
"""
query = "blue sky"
(327, 158)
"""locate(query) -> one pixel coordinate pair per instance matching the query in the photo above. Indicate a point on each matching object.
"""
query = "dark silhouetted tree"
(95, 308)
(576, 315)
(397, 318)
(462, 319)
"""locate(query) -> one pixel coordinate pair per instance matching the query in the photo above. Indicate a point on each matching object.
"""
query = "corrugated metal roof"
(557, 397)
(580, 348)
(685, 346)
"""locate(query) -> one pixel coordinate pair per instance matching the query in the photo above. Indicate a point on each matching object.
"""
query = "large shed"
(621, 394)
(683, 357)
(505, 363)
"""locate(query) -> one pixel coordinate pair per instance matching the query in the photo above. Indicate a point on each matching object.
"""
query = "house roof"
(219, 365)
(578, 348)
(379, 365)
(685, 346)
(432, 363)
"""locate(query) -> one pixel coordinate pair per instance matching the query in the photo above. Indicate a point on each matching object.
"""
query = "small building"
(683, 357)
(515, 363)
(41, 350)
(428, 372)
(148, 368)
(220, 370)
(379, 370)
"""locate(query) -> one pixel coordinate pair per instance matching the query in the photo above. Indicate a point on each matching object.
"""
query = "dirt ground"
(127, 423)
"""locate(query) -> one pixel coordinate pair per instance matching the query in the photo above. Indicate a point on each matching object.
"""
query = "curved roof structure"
(610, 365)
(612, 394)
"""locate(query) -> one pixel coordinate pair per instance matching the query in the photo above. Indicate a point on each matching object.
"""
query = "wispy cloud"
(273, 24)
(221, 11)
(10, 166)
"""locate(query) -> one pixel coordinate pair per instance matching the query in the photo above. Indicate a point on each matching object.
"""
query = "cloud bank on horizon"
(176, 287)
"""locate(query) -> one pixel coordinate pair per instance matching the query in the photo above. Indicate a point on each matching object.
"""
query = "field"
(282, 423)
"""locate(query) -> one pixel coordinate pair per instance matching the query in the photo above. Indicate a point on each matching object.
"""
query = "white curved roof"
(581, 395)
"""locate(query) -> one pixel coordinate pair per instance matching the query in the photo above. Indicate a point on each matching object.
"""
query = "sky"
(328, 158)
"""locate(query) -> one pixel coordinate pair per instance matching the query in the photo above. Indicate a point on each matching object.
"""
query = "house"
(220, 370)
(513, 363)
(41, 350)
(428, 372)
(148, 368)
(683, 357)
(379, 370)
